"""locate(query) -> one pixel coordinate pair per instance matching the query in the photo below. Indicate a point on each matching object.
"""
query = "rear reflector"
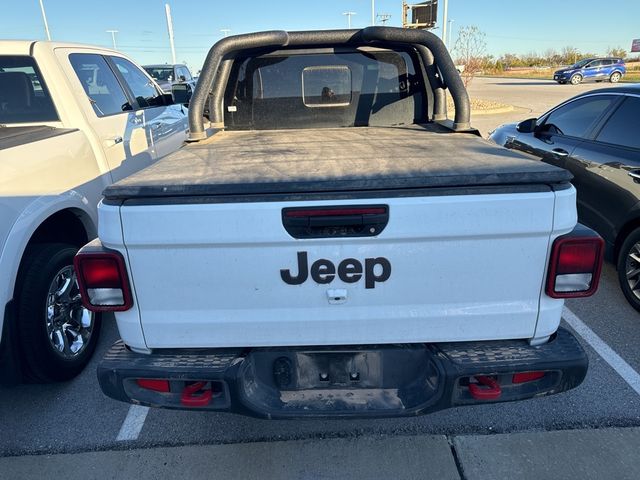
(574, 269)
(103, 281)
(526, 377)
(153, 384)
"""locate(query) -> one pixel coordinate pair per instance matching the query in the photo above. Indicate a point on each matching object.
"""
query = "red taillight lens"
(574, 269)
(525, 377)
(153, 384)
(103, 281)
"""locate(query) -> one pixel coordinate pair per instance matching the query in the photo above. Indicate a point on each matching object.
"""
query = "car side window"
(143, 89)
(623, 126)
(100, 84)
(577, 118)
(183, 72)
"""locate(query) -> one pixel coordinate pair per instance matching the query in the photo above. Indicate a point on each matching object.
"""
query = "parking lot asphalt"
(76, 417)
(530, 98)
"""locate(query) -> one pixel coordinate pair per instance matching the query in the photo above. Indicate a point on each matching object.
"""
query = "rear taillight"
(574, 268)
(103, 281)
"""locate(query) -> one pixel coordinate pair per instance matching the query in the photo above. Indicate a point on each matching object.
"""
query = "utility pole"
(373, 12)
(167, 10)
(113, 37)
(348, 15)
(225, 31)
(46, 24)
(384, 18)
(450, 33)
(444, 22)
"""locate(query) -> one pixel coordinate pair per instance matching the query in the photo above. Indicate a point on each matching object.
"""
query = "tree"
(617, 52)
(569, 55)
(470, 49)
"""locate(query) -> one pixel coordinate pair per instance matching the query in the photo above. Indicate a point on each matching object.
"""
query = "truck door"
(113, 116)
(166, 124)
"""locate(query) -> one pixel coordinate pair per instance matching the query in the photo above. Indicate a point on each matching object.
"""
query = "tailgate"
(444, 268)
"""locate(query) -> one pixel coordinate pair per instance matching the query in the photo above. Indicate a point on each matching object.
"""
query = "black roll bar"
(217, 67)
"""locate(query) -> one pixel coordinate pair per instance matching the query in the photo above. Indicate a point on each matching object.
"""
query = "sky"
(511, 26)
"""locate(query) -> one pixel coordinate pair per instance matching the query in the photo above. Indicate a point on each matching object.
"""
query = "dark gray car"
(596, 136)
(167, 75)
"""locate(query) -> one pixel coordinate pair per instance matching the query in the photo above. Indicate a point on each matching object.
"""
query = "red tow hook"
(190, 399)
(487, 388)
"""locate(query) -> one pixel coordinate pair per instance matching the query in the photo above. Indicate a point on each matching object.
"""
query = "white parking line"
(133, 423)
(616, 362)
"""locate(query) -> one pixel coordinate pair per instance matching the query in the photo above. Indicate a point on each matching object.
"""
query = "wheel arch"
(68, 223)
(622, 234)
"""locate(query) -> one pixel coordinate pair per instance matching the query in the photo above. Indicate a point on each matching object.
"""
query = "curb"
(493, 111)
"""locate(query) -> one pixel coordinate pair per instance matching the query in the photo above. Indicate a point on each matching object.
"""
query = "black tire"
(621, 264)
(615, 77)
(41, 362)
(576, 79)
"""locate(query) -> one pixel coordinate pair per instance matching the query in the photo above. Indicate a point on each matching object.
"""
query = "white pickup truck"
(73, 119)
(330, 245)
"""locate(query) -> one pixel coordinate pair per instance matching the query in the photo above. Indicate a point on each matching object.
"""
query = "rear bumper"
(360, 381)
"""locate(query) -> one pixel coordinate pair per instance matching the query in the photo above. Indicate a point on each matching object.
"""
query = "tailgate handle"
(335, 221)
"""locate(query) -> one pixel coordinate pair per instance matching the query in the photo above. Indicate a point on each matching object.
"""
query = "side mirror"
(527, 126)
(181, 93)
(183, 78)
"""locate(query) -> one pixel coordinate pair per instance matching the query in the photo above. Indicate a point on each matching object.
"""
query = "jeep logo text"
(349, 270)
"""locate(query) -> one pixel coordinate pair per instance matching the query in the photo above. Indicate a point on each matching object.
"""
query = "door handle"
(635, 174)
(560, 152)
(110, 142)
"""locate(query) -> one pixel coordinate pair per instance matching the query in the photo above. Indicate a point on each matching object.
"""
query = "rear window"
(24, 97)
(324, 89)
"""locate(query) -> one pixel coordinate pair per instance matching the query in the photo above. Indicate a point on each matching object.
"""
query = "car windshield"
(582, 63)
(160, 73)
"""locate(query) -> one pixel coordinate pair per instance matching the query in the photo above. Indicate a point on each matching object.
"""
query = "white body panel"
(66, 172)
(464, 267)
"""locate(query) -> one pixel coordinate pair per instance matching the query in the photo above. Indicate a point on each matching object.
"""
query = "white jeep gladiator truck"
(73, 119)
(330, 245)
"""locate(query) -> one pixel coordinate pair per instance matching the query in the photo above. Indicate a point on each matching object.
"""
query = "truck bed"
(14, 136)
(334, 160)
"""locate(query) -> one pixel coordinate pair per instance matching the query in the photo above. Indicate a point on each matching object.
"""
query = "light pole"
(348, 15)
(225, 31)
(444, 22)
(167, 11)
(450, 33)
(46, 24)
(113, 37)
(373, 12)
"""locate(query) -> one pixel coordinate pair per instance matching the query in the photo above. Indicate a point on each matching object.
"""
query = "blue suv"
(597, 69)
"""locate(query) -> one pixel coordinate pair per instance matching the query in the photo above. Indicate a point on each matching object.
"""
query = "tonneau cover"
(334, 160)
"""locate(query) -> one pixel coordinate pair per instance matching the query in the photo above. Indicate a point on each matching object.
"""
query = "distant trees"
(470, 51)
(551, 57)
(617, 52)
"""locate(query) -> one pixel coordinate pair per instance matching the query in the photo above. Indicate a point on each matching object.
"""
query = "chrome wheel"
(633, 269)
(69, 324)
(615, 77)
(576, 79)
